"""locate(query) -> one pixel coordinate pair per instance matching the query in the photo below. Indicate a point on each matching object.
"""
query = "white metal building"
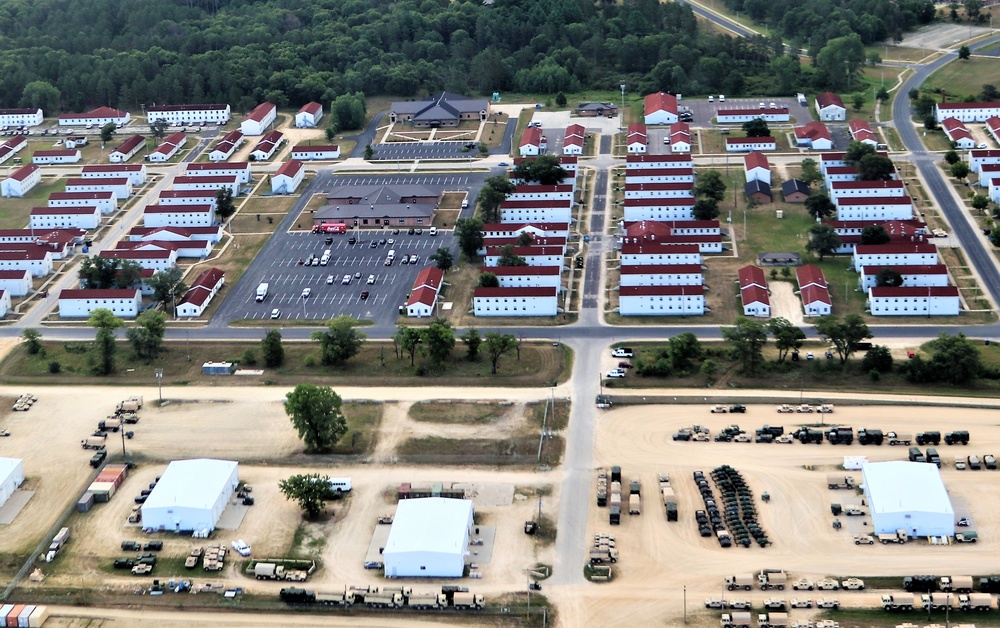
(259, 119)
(429, 538)
(304, 152)
(21, 181)
(161, 215)
(121, 186)
(188, 114)
(213, 182)
(309, 115)
(239, 168)
(661, 300)
(135, 172)
(96, 117)
(515, 301)
(127, 149)
(914, 301)
(81, 303)
(56, 156)
(11, 476)
(105, 200)
(16, 283)
(740, 144)
(82, 217)
(20, 117)
(288, 177)
(966, 111)
(191, 495)
(907, 496)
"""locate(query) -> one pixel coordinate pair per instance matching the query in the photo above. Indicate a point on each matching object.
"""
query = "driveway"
(562, 119)
(785, 303)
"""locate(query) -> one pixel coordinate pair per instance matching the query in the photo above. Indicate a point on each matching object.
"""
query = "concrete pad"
(14, 505)
(481, 554)
(232, 516)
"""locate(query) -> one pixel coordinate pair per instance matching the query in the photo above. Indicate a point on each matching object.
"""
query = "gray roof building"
(444, 109)
(405, 204)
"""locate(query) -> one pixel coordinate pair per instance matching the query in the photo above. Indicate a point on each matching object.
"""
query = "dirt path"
(393, 430)
(785, 303)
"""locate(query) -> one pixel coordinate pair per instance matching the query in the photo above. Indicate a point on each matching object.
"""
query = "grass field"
(964, 78)
(467, 413)
(14, 211)
(375, 365)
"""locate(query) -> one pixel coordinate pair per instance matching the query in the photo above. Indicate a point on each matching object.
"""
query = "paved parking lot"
(703, 111)
(277, 262)
(424, 150)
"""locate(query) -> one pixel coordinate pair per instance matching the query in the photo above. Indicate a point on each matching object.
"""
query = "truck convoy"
(957, 584)
(458, 598)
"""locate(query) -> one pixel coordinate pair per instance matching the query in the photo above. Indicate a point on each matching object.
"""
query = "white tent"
(11, 476)
(908, 496)
(429, 538)
(191, 495)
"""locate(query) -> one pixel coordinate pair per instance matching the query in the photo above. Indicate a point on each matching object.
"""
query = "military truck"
(920, 584)
(736, 620)
(933, 457)
(916, 455)
(740, 604)
(899, 536)
(929, 438)
(853, 584)
(744, 582)
(334, 599)
(957, 437)
(110, 424)
(716, 603)
(806, 435)
(827, 602)
(975, 602)
(966, 537)
(615, 515)
(937, 601)
(855, 511)
(634, 504)
(772, 620)
(94, 442)
(840, 436)
(838, 481)
(271, 571)
(899, 438)
(424, 601)
(384, 600)
(895, 602)
(956, 584)
(602, 555)
(468, 601)
(295, 595)
(870, 437)
(775, 604)
(772, 579)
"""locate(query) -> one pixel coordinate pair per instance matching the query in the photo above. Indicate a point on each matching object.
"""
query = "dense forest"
(73, 54)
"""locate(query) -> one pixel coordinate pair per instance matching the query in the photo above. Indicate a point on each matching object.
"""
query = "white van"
(391, 254)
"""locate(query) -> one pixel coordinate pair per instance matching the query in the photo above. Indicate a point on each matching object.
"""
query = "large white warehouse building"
(191, 495)
(429, 538)
(908, 496)
(11, 476)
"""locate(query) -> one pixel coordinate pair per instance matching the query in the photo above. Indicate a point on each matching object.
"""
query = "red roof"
(659, 187)
(329, 148)
(894, 248)
(648, 228)
(955, 129)
(969, 105)
(535, 240)
(660, 101)
(920, 269)
(211, 178)
(646, 158)
(261, 111)
(289, 169)
(187, 232)
(847, 201)
(165, 245)
(514, 292)
(111, 293)
(114, 168)
(750, 140)
(128, 254)
(235, 165)
(993, 124)
(24, 252)
(269, 141)
(424, 294)
(554, 203)
(130, 145)
(430, 276)
(18, 112)
(837, 170)
(861, 185)
(812, 294)
(532, 136)
(177, 209)
(754, 294)
(17, 140)
(637, 133)
(24, 172)
(661, 201)
(659, 172)
(752, 112)
(810, 275)
(659, 248)
(100, 112)
(82, 196)
(209, 278)
(80, 182)
(750, 275)
(62, 211)
(14, 274)
(515, 226)
(661, 269)
(196, 295)
(681, 225)
(984, 153)
(311, 108)
(814, 130)
(755, 159)
(680, 128)
(829, 98)
(861, 130)
(58, 152)
(494, 251)
(536, 188)
(188, 194)
(654, 291)
(575, 130)
(912, 291)
(197, 107)
(519, 271)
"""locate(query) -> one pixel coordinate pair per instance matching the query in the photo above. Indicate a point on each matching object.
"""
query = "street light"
(159, 383)
(621, 114)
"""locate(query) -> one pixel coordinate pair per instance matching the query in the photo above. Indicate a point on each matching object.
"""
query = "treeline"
(74, 54)
(812, 23)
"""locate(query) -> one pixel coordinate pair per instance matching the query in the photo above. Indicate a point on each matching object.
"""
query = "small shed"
(218, 368)
(795, 191)
(758, 190)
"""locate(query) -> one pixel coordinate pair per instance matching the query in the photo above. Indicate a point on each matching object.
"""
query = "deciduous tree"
(103, 357)
(710, 185)
(32, 340)
(498, 345)
(878, 358)
(408, 340)
(272, 350)
(315, 412)
(167, 287)
(823, 240)
(147, 335)
(845, 335)
(747, 338)
(340, 342)
(888, 278)
(438, 341)
(472, 341)
(544, 169)
(442, 258)
(756, 128)
(469, 232)
(874, 234)
(488, 280)
(224, 205)
(955, 359)
(311, 492)
(787, 337)
(820, 206)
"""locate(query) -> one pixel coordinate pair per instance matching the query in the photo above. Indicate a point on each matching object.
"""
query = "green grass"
(555, 421)
(14, 211)
(961, 79)
(468, 413)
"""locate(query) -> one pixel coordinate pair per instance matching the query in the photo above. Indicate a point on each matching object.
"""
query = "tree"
(488, 280)
(995, 237)
(158, 128)
(497, 345)
(955, 359)
(980, 202)
(442, 258)
(107, 132)
(960, 170)
(224, 205)
(875, 168)
(469, 232)
(845, 335)
(878, 358)
(756, 128)
(747, 339)
(823, 240)
(882, 94)
(544, 169)
(874, 234)
(972, 11)
(369, 152)
(40, 95)
(839, 61)
(930, 122)
(810, 171)
(820, 206)
(32, 340)
(858, 100)
(951, 157)
(330, 133)
(705, 209)
(525, 239)
(103, 358)
(472, 340)
(560, 99)
(710, 185)
(272, 350)
(856, 151)
(167, 287)
(311, 492)
(492, 195)
(348, 112)
(438, 340)
(101, 273)
(408, 340)
(964, 53)
(924, 106)
(787, 337)
(990, 93)
(315, 412)
(509, 258)
(147, 335)
(888, 278)
(340, 342)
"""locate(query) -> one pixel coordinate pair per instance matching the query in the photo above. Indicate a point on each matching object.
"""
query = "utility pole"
(159, 383)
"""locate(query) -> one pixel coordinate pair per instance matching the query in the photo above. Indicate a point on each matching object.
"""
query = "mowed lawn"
(14, 211)
(965, 78)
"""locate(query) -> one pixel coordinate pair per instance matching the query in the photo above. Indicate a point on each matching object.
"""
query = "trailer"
(470, 601)
(424, 601)
(634, 504)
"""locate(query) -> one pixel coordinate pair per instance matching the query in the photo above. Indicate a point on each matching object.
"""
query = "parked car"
(275, 313)
(240, 547)
(964, 522)
(615, 373)
(346, 280)
(364, 295)
(306, 292)
(371, 279)
(329, 279)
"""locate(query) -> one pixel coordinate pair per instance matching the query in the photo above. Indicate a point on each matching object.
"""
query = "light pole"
(621, 113)
(159, 383)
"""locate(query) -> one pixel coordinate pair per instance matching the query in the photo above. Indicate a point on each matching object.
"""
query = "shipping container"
(12, 615)
(218, 368)
(22, 619)
(85, 503)
(5, 610)
(38, 617)
(103, 491)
